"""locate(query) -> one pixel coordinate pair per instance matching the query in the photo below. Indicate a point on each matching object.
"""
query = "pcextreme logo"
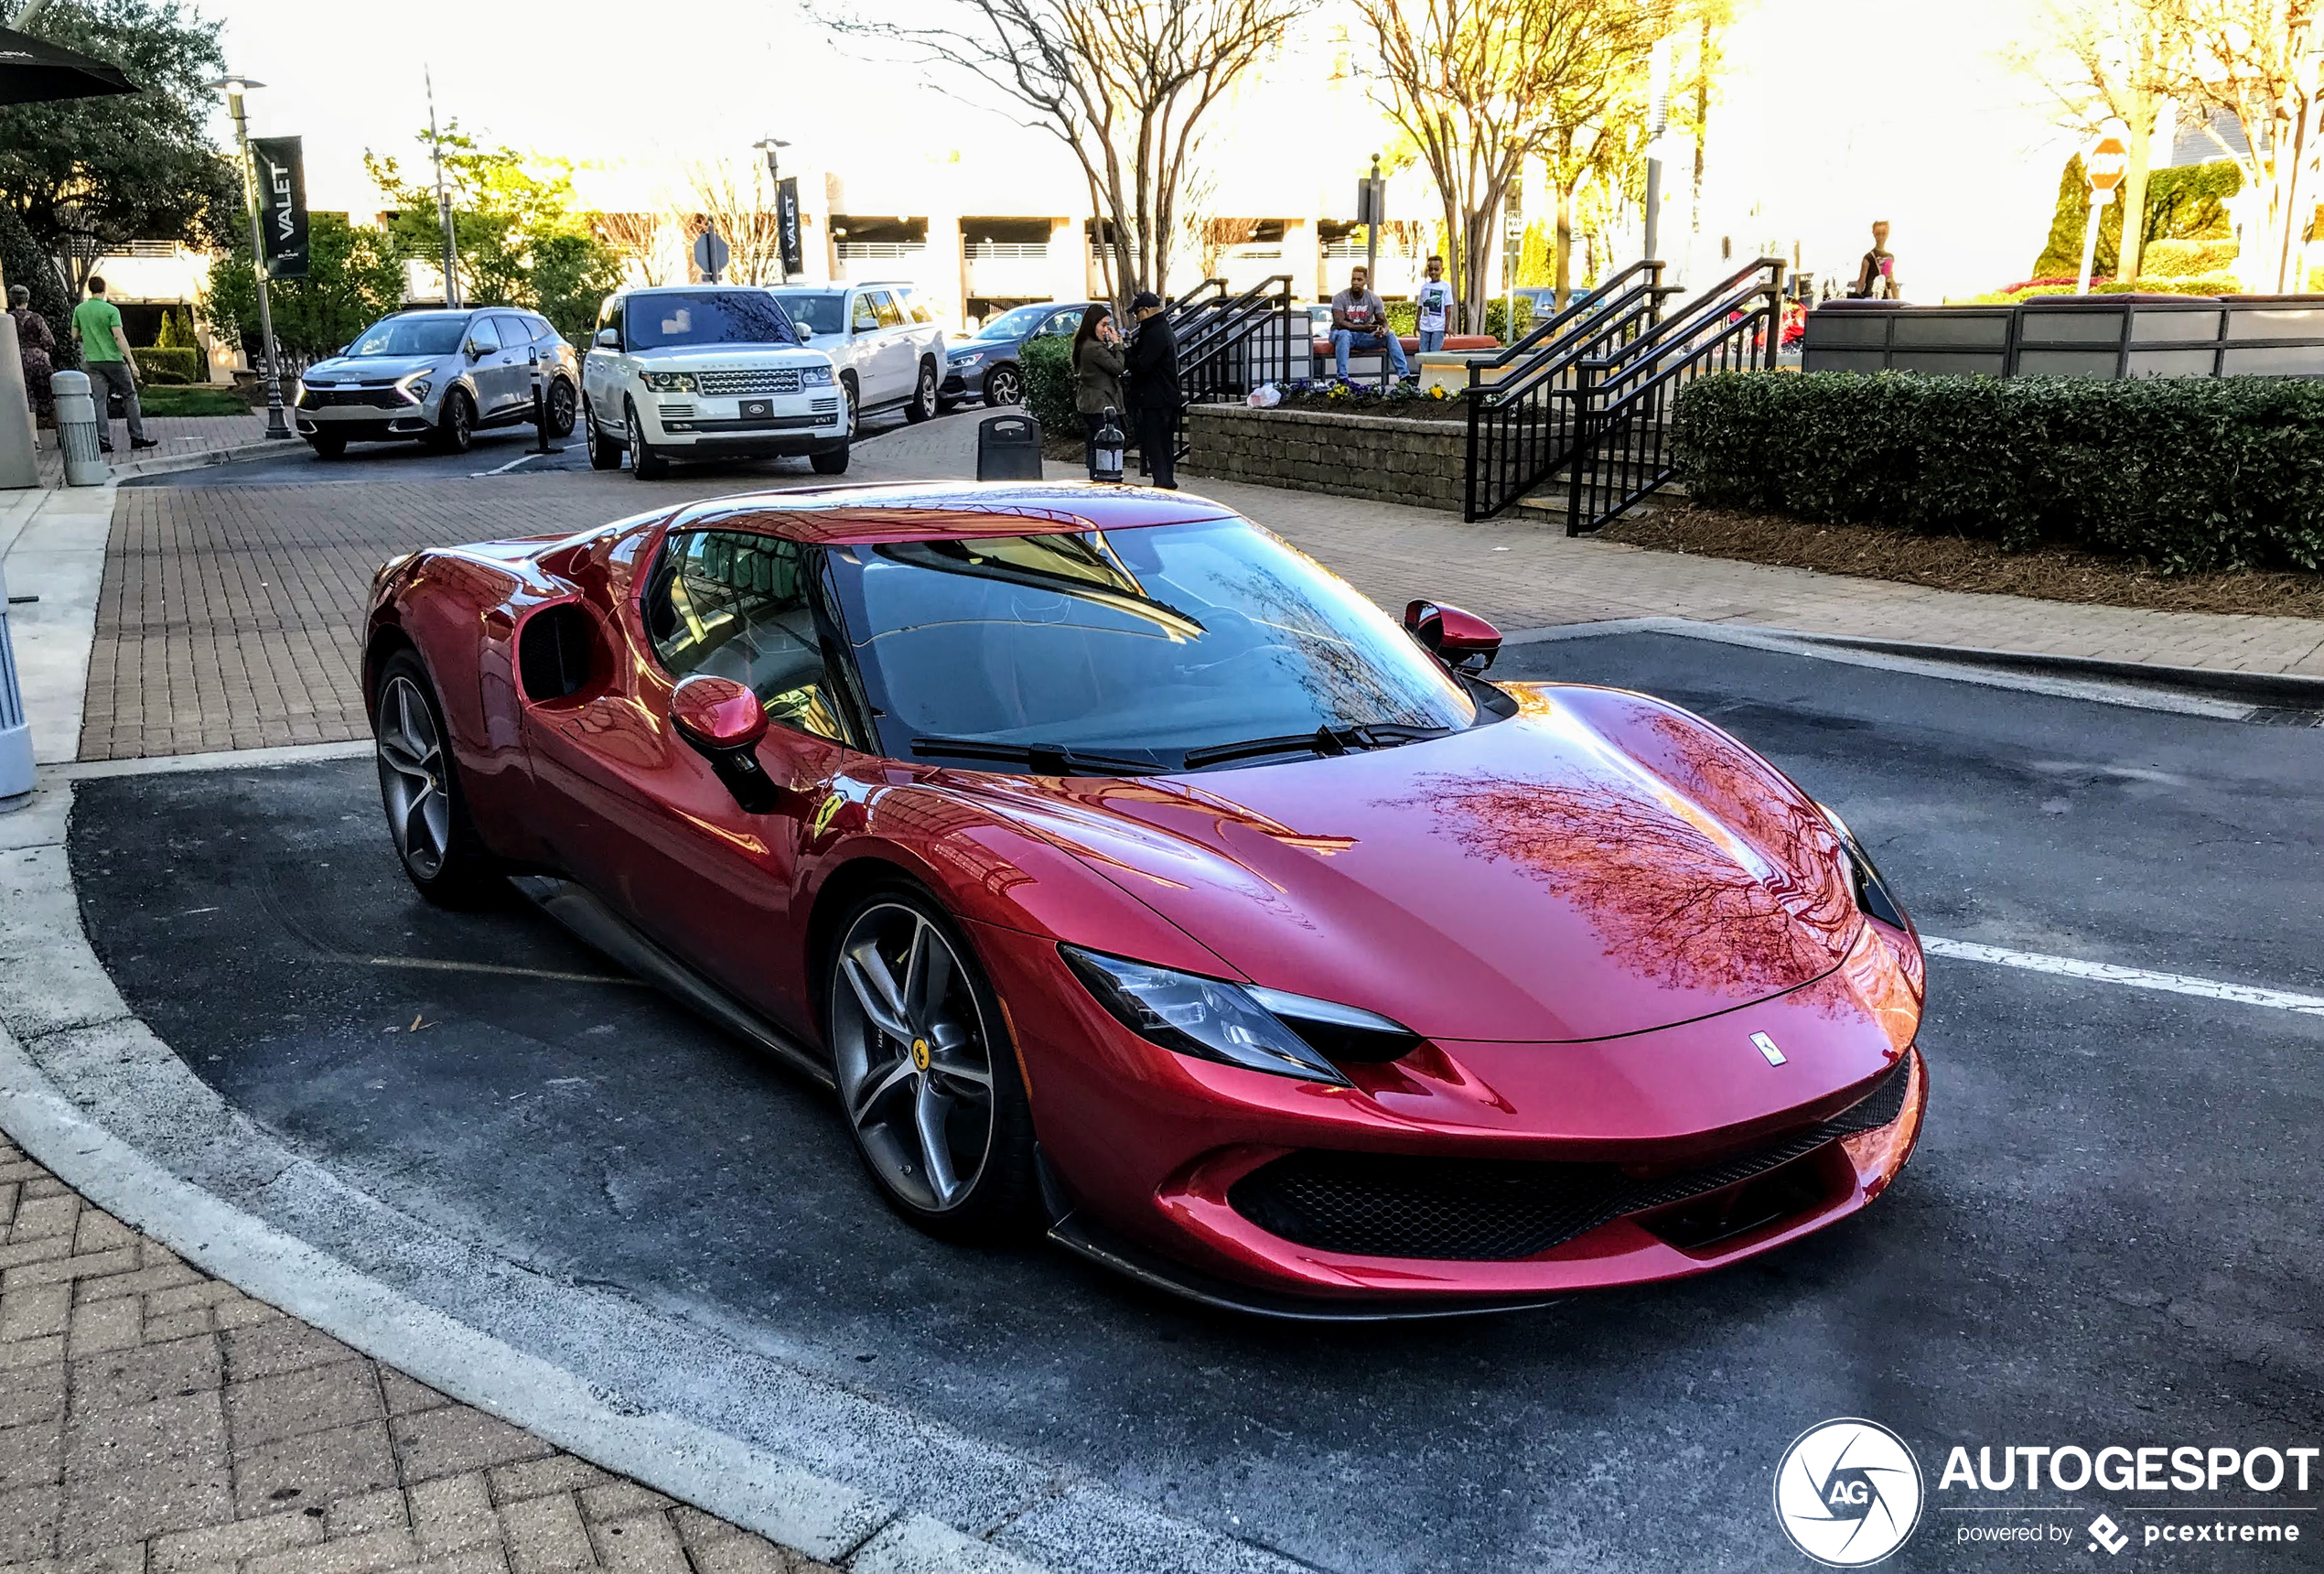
(1848, 1493)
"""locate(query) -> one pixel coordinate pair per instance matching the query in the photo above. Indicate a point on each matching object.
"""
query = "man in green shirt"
(104, 352)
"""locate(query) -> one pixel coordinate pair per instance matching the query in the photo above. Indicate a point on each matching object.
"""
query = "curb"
(167, 464)
(760, 1438)
(2267, 690)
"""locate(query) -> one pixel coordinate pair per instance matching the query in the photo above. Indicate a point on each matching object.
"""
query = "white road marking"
(503, 469)
(2132, 978)
(433, 964)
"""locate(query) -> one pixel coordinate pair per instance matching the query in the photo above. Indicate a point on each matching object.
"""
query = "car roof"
(945, 511)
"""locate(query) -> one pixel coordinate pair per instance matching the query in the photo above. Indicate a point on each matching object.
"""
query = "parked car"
(888, 348)
(438, 375)
(987, 365)
(708, 371)
(1131, 877)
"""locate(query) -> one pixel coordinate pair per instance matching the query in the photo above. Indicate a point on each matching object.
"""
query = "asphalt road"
(2109, 1233)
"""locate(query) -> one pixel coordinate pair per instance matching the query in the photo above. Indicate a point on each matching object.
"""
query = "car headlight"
(814, 377)
(962, 363)
(668, 381)
(1872, 893)
(417, 387)
(1237, 1024)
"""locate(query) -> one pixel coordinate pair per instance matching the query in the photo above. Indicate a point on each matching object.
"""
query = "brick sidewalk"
(178, 434)
(155, 1421)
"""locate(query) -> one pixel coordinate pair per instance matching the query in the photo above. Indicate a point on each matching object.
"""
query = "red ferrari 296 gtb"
(1132, 878)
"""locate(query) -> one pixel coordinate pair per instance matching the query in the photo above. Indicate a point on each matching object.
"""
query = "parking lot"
(2109, 1233)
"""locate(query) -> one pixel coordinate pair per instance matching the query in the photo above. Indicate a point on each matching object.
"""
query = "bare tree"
(1123, 84)
(2115, 61)
(1480, 84)
(742, 210)
(637, 238)
(2259, 61)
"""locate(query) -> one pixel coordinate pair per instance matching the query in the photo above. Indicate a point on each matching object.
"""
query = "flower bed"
(1369, 398)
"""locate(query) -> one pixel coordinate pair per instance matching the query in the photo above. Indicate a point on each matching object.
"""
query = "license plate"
(758, 409)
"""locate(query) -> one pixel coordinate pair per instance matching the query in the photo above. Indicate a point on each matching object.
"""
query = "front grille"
(1482, 1209)
(676, 409)
(726, 384)
(342, 398)
(827, 406)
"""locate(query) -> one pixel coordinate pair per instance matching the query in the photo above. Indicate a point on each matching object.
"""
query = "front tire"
(644, 463)
(327, 445)
(420, 790)
(456, 426)
(830, 462)
(604, 454)
(928, 1077)
(1004, 385)
(923, 405)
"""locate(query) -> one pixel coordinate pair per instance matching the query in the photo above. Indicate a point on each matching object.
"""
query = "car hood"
(1599, 864)
(369, 368)
(719, 357)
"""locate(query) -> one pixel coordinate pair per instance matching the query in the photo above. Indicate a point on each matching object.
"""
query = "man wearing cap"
(1151, 387)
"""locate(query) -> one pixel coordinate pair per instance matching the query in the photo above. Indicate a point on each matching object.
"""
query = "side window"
(610, 316)
(1062, 325)
(735, 604)
(920, 312)
(515, 332)
(480, 334)
(884, 305)
(865, 316)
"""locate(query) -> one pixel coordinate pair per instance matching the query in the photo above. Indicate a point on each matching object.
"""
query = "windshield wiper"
(1046, 759)
(1324, 741)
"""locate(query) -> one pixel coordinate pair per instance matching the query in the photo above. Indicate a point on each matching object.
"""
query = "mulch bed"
(1960, 563)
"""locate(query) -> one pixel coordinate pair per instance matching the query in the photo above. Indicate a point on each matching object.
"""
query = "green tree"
(353, 279)
(84, 176)
(24, 263)
(2189, 203)
(518, 232)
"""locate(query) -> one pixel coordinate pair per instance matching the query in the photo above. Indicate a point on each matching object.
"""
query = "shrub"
(2184, 474)
(175, 366)
(1047, 365)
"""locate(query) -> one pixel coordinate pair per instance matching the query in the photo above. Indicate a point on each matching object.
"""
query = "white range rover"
(707, 372)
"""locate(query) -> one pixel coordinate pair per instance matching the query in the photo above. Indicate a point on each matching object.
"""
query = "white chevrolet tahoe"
(888, 346)
(707, 372)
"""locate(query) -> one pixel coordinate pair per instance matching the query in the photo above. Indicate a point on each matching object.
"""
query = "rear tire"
(832, 462)
(604, 454)
(928, 1077)
(455, 427)
(923, 406)
(327, 445)
(427, 815)
(644, 463)
(854, 401)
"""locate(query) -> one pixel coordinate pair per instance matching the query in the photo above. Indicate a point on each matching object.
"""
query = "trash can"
(76, 430)
(1008, 449)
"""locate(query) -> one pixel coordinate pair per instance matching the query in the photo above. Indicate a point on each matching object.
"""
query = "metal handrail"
(1574, 307)
(1766, 273)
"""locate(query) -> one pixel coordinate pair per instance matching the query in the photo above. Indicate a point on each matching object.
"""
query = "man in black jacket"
(1152, 388)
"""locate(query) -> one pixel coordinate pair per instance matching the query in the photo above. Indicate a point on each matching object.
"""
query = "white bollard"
(76, 430)
(15, 733)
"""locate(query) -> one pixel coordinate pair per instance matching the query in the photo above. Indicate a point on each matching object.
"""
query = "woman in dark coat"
(38, 346)
(1098, 357)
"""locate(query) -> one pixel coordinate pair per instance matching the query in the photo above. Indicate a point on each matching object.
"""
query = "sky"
(1831, 113)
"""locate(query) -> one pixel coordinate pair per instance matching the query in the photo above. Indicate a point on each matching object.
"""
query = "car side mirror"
(1462, 641)
(607, 339)
(723, 721)
(474, 351)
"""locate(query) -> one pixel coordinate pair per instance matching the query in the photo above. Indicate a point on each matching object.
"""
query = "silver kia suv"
(439, 376)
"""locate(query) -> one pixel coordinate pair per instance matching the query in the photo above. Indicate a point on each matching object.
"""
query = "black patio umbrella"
(33, 70)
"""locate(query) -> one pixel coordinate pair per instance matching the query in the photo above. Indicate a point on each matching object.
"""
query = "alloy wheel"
(560, 409)
(913, 1057)
(1002, 387)
(411, 763)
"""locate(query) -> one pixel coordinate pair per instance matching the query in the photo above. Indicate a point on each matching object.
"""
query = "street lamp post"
(772, 147)
(1658, 118)
(277, 423)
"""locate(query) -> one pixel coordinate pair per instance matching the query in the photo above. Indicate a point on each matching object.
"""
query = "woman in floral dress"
(38, 346)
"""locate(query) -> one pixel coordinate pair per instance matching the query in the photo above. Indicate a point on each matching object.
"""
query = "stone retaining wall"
(1381, 457)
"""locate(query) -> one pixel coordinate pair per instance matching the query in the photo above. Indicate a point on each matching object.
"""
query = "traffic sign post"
(2103, 167)
(710, 254)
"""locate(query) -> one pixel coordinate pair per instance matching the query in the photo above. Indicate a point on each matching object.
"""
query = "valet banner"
(281, 168)
(794, 255)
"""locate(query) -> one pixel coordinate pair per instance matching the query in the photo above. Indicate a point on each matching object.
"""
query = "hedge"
(168, 365)
(1047, 365)
(2185, 474)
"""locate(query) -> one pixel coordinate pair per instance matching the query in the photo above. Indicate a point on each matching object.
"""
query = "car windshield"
(1014, 323)
(817, 311)
(435, 335)
(667, 318)
(1140, 645)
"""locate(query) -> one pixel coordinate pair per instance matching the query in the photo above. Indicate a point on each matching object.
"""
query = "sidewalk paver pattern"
(228, 615)
(177, 436)
(155, 1421)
